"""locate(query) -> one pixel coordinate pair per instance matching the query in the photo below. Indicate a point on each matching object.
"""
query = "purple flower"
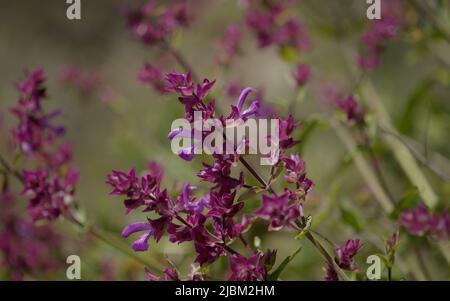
(352, 109)
(392, 242)
(141, 244)
(34, 133)
(151, 24)
(345, 254)
(330, 273)
(271, 27)
(302, 74)
(421, 222)
(86, 81)
(296, 169)
(124, 183)
(247, 268)
(280, 211)
(379, 34)
(286, 128)
(220, 173)
(25, 248)
(228, 46)
(238, 110)
(180, 83)
(33, 90)
(263, 25)
(293, 34)
(152, 76)
(49, 196)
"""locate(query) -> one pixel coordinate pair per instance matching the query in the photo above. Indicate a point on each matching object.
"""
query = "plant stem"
(255, 174)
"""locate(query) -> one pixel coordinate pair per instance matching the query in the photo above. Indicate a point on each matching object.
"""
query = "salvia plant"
(229, 216)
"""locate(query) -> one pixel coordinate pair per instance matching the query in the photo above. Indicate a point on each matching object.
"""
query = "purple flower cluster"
(380, 33)
(229, 45)
(26, 249)
(35, 131)
(215, 220)
(152, 23)
(344, 258)
(266, 19)
(51, 186)
(420, 221)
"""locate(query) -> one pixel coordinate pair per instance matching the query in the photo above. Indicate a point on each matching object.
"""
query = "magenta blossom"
(380, 33)
(352, 109)
(280, 211)
(345, 254)
(151, 24)
(49, 196)
(247, 269)
(229, 45)
(152, 76)
(35, 132)
(420, 221)
(302, 74)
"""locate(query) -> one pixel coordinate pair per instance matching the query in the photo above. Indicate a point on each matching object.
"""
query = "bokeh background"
(413, 82)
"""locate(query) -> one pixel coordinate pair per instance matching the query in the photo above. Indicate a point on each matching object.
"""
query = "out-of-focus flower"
(270, 26)
(152, 23)
(302, 74)
(86, 81)
(421, 222)
(352, 109)
(392, 242)
(330, 273)
(380, 33)
(26, 249)
(152, 76)
(229, 45)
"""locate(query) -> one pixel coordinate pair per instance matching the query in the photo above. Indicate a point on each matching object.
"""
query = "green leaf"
(275, 274)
